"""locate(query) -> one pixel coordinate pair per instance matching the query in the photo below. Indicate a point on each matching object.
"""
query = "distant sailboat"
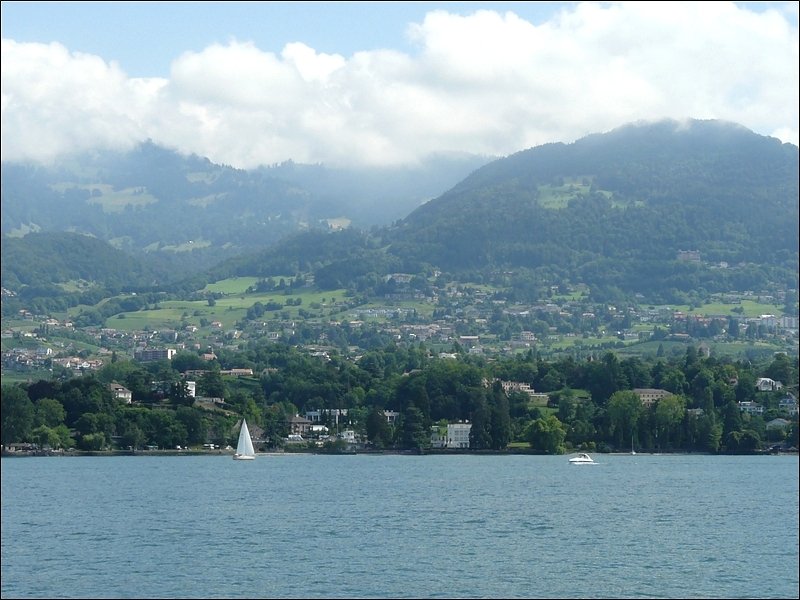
(632, 450)
(244, 449)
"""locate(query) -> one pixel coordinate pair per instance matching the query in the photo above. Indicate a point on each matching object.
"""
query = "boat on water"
(244, 449)
(582, 459)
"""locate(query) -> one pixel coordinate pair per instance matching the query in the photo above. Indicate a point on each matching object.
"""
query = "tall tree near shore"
(624, 409)
(17, 415)
(547, 435)
(500, 418)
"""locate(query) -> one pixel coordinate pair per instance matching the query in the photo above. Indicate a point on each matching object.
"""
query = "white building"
(331, 414)
(525, 388)
(121, 392)
(765, 384)
(348, 435)
(751, 408)
(788, 404)
(456, 436)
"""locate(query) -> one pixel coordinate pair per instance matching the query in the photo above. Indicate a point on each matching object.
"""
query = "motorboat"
(582, 459)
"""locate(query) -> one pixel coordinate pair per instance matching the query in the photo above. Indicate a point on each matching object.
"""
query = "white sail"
(244, 449)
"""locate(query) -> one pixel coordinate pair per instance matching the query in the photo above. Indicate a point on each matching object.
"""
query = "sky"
(383, 83)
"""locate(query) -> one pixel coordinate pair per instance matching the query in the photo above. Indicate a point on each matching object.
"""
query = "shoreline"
(429, 452)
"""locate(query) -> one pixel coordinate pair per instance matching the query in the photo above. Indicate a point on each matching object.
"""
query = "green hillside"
(646, 208)
(664, 210)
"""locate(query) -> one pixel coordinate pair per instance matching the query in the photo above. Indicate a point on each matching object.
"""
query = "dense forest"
(34, 264)
(615, 210)
(591, 404)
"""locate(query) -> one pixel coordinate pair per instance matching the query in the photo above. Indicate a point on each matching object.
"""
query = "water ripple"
(373, 527)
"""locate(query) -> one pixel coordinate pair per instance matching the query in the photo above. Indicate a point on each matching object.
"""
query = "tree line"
(591, 404)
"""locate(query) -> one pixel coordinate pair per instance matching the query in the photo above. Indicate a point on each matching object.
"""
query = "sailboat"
(632, 450)
(244, 449)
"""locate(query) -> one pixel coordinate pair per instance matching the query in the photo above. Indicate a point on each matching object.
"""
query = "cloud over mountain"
(486, 83)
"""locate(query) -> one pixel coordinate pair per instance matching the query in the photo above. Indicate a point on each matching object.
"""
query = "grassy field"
(578, 295)
(168, 316)
(12, 377)
(8, 344)
(228, 310)
(739, 349)
(234, 285)
(676, 348)
(747, 308)
(112, 200)
(578, 340)
(650, 348)
(750, 308)
(558, 196)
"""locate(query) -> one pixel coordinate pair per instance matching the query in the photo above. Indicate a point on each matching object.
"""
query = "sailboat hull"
(243, 457)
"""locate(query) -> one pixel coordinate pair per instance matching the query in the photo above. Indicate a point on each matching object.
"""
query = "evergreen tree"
(480, 437)
(414, 435)
(17, 415)
(211, 384)
(500, 429)
(378, 428)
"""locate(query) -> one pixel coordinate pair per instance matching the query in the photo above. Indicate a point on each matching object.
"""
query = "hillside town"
(465, 320)
(468, 317)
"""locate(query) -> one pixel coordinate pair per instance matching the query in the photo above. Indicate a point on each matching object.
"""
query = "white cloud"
(486, 83)
(55, 102)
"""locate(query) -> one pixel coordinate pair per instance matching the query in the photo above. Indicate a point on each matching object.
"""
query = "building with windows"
(525, 388)
(650, 396)
(765, 384)
(121, 392)
(751, 408)
(788, 405)
(152, 354)
(455, 436)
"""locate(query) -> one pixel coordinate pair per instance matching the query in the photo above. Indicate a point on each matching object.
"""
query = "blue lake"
(365, 526)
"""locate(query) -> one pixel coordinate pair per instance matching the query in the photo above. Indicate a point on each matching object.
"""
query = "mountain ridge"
(659, 172)
(620, 211)
(152, 201)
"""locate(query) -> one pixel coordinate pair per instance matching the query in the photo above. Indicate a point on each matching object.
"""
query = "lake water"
(364, 526)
